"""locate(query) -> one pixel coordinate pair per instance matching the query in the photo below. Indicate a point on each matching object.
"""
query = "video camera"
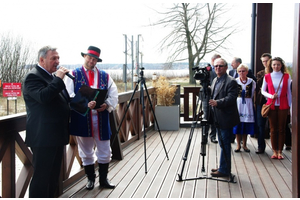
(203, 73)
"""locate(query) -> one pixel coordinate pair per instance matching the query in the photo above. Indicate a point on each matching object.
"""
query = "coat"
(226, 114)
(47, 109)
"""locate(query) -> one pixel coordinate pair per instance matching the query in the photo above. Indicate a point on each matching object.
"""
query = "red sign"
(11, 93)
(11, 89)
(11, 86)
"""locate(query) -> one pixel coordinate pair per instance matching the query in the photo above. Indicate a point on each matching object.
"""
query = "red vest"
(283, 104)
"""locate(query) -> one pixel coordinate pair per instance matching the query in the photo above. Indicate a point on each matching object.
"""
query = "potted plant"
(166, 113)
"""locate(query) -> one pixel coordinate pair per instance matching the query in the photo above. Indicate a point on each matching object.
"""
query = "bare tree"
(195, 32)
(15, 58)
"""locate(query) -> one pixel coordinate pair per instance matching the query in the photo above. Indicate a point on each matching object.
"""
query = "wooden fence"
(12, 144)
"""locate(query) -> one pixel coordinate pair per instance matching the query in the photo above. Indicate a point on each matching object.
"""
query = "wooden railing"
(12, 144)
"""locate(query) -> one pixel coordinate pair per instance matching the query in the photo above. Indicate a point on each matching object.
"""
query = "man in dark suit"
(235, 63)
(47, 121)
(223, 102)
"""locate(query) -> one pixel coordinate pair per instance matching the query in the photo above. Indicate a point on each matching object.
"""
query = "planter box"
(167, 117)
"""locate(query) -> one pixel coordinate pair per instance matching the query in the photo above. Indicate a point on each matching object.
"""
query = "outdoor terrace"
(255, 175)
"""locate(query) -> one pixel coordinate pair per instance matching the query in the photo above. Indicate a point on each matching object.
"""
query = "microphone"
(68, 74)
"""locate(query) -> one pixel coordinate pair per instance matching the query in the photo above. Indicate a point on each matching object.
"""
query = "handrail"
(12, 144)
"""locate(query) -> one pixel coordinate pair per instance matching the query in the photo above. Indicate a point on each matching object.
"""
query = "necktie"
(91, 77)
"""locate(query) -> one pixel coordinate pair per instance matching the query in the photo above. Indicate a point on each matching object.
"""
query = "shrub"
(164, 91)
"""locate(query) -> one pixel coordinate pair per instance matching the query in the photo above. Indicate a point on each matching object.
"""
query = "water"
(118, 74)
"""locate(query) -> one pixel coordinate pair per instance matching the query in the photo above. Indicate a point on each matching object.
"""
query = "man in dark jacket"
(224, 95)
(47, 121)
(235, 63)
(259, 101)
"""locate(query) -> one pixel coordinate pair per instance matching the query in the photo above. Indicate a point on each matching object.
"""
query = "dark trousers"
(288, 134)
(261, 123)
(224, 136)
(47, 164)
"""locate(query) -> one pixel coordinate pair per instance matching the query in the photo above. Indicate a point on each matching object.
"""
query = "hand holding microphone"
(62, 71)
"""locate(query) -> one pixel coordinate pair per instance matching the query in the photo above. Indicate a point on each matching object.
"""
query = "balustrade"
(12, 144)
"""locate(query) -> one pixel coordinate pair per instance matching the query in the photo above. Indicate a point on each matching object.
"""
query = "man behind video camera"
(204, 75)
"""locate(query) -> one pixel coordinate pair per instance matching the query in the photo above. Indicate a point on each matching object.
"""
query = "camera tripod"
(141, 82)
(204, 96)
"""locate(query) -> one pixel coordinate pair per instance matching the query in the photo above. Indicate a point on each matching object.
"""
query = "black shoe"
(246, 150)
(90, 184)
(259, 151)
(106, 184)
(90, 174)
(288, 148)
(213, 140)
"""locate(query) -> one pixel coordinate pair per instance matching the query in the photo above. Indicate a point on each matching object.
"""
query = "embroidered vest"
(82, 125)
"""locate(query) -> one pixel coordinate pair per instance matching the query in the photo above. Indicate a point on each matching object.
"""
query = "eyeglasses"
(219, 66)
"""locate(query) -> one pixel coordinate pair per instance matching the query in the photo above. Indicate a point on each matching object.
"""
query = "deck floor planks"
(140, 174)
(159, 162)
(171, 176)
(254, 173)
(157, 183)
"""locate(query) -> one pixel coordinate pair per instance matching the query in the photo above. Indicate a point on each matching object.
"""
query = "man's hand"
(92, 104)
(61, 72)
(212, 102)
(103, 107)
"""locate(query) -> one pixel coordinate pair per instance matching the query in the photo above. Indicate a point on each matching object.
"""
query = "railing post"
(8, 167)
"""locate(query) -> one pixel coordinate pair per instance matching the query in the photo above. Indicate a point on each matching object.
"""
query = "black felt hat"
(94, 52)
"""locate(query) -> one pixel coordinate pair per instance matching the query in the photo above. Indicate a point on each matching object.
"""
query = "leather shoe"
(218, 174)
(214, 170)
(259, 151)
(106, 184)
(90, 184)
(213, 140)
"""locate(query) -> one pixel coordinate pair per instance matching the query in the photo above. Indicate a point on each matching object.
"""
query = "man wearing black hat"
(93, 129)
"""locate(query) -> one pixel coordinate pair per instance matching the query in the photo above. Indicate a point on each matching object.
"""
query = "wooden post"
(295, 105)
(263, 33)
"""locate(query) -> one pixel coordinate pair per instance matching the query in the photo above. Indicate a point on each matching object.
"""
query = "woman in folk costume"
(277, 79)
(93, 129)
(246, 88)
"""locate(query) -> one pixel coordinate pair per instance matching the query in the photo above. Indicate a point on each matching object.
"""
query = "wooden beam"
(263, 33)
(295, 105)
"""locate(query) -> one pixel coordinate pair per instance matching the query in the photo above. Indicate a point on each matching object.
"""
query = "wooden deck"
(256, 176)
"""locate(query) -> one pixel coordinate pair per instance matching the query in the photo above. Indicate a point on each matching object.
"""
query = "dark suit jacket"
(47, 110)
(250, 74)
(226, 114)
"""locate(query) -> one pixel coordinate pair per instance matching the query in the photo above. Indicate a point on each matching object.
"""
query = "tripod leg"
(155, 120)
(195, 120)
(145, 136)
